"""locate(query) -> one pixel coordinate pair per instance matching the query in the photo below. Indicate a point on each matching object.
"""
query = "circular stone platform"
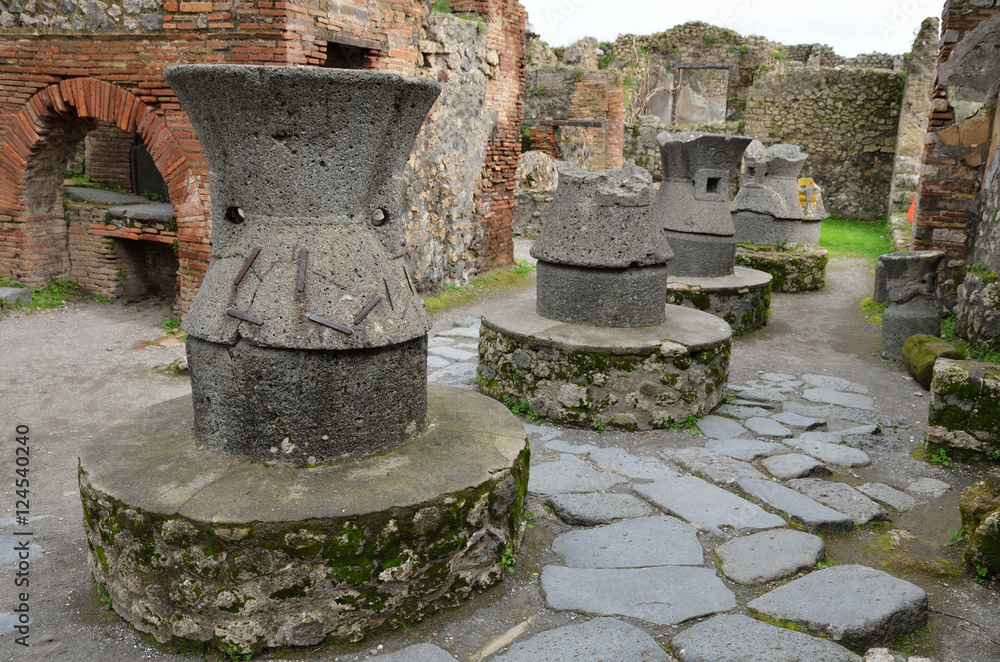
(632, 378)
(797, 268)
(743, 299)
(240, 555)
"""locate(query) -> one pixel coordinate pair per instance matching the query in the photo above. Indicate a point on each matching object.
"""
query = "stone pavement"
(677, 537)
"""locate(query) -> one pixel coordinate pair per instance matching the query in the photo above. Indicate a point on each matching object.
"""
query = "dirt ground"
(68, 373)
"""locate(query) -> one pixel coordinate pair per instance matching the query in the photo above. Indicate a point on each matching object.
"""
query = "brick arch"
(30, 176)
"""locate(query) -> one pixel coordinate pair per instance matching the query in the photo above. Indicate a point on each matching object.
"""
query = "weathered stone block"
(980, 508)
(921, 351)
(743, 300)
(797, 268)
(964, 411)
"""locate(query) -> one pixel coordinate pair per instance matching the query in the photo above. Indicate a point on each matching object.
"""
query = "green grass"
(56, 294)
(872, 309)
(7, 281)
(451, 296)
(172, 324)
(862, 239)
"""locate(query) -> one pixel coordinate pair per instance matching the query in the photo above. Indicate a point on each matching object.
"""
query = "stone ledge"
(800, 268)
(192, 545)
(742, 300)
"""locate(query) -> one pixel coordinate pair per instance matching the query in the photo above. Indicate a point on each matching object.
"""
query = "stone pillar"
(306, 341)
(767, 209)
(907, 282)
(601, 259)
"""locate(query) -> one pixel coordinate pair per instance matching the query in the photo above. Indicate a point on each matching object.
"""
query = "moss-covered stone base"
(980, 508)
(743, 300)
(194, 546)
(964, 411)
(796, 268)
(921, 352)
(629, 378)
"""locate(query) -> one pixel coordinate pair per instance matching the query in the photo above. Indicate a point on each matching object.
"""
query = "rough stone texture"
(767, 427)
(794, 465)
(716, 467)
(742, 298)
(257, 393)
(601, 296)
(900, 321)
(563, 477)
(718, 427)
(664, 595)
(597, 640)
(767, 209)
(419, 653)
(596, 508)
(842, 498)
(907, 282)
(830, 396)
(852, 604)
(633, 466)
(980, 509)
(977, 315)
(831, 453)
(759, 394)
(811, 514)
(921, 352)
(733, 637)
(692, 204)
(241, 550)
(797, 268)
(638, 378)
(769, 555)
(707, 506)
(845, 118)
(888, 496)
(745, 449)
(964, 411)
(634, 543)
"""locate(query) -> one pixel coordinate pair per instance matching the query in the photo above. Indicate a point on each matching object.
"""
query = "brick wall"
(63, 72)
(109, 155)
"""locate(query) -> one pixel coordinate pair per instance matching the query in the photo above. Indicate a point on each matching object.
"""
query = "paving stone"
(831, 397)
(760, 394)
(462, 331)
(737, 411)
(541, 432)
(716, 467)
(634, 466)
(753, 403)
(570, 457)
(745, 449)
(817, 435)
(857, 388)
(419, 653)
(853, 604)
(769, 555)
(634, 543)
(871, 428)
(842, 498)
(562, 477)
(767, 427)
(888, 496)
(708, 506)
(664, 595)
(777, 377)
(826, 381)
(717, 427)
(453, 372)
(829, 412)
(561, 446)
(797, 421)
(436, 361)
(452, 353)
(808, 512)
(836, 454)
(596, 507)
(597, 640)
(439, 341)
(931, 487)
(794, 465)
(737, 638)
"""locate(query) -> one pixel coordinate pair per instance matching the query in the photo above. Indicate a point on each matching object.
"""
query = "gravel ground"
(69, 373)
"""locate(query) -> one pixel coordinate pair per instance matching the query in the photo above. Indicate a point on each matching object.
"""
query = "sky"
(850, 26)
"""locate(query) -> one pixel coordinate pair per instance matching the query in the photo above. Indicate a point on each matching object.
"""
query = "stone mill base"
(742, 299)
(797, 268)
(589, 376)
(191, 545)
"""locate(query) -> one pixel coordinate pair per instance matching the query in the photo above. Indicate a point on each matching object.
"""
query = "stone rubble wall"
(964, 410)
(845, 118)
(640, 142)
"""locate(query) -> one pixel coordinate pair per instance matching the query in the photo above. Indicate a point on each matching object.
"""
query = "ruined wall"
(65, 66)
(845, 119)
(640, 141)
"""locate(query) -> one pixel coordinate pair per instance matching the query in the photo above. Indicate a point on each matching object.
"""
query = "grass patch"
(56, 294)
(452, 296)
(7, 281)
(872, 309)
(863, 239)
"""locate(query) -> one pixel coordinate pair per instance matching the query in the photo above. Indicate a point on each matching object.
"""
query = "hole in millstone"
(235, 215)
(380, 217)
(712, 184)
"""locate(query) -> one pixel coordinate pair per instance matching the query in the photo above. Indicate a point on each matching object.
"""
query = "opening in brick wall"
(347, 56)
